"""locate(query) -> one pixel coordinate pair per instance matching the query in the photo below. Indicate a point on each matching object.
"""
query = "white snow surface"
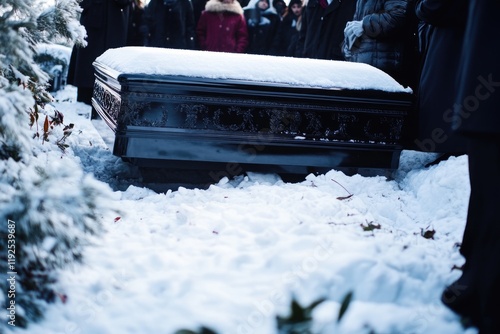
(284, 71)
(233, 256)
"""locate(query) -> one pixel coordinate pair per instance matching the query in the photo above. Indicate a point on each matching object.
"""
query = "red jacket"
(222, 27)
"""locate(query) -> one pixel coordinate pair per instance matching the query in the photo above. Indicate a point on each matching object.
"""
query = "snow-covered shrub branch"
(48, 208)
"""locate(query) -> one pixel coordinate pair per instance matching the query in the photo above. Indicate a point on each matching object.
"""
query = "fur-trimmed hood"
(218, 7)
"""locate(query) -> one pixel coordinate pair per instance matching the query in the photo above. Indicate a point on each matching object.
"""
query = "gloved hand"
(353, 30)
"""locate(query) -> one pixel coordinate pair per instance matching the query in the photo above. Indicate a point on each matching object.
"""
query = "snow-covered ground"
(233, 256)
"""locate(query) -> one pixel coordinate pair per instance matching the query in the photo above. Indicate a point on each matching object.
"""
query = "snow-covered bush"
(54, 59)
(48, 207)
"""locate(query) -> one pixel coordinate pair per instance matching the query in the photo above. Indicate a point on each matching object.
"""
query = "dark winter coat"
(135, 36)
(106, 22)
(170, 24)
(479, 91)
(476, 294)
(287, 36)
(382, 43)
(222, 28)
(198, 8)
(441, 37)
(262, 27)
(322, 31)
(409, 72)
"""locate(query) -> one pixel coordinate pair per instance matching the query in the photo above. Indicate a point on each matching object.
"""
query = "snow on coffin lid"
(171, 106)
(283, 71)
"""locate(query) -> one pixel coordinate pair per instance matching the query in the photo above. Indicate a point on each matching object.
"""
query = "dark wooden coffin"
(233, 123)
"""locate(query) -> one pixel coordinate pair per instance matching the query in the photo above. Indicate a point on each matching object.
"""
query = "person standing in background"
(222, 27)
(376, 35)
(475, 295)
(262, 23)
(106, 23)
(285, 41)
(441, 39)
(322, 30)
(409, 72)
(280, 7)
(198, 8)
(169, 24)
(135, 37)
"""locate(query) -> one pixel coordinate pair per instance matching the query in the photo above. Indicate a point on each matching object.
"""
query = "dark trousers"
(84, 94)
(476, 294)
(483, 217)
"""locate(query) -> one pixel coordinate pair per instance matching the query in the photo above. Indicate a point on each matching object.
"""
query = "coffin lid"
(282, 71)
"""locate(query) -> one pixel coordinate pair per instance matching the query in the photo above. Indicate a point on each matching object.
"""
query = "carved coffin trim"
(254, 116)
(108, 101)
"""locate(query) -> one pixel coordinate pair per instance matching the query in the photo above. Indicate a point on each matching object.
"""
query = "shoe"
(462, 298)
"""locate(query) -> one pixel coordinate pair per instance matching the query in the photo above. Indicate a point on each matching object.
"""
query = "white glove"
(353, 30)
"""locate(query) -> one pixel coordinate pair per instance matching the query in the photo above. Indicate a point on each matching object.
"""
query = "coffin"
(234, 112)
